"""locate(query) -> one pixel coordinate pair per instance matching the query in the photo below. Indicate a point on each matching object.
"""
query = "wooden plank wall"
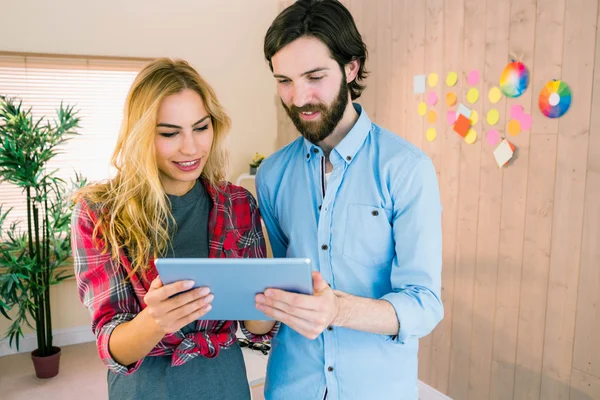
(521, 278)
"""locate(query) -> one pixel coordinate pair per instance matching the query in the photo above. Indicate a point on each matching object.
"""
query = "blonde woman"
(169, 198)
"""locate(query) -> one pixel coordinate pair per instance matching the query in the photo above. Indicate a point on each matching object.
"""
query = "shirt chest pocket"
(239, 241)
(368, 239)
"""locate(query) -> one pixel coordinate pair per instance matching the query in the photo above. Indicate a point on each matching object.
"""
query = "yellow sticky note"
(422, 108)
(432, 79)
(473, 95)
(431, 134)
(451, 79)
(493, 116)
(471, 136)
(431, 116)
(495, 95)
(474, 117)
(514, 127)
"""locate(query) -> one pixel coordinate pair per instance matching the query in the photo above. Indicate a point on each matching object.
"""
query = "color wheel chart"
(555, 99)
(514, 79)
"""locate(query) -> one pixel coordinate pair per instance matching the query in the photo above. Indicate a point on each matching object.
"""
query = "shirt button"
(330, 328)
(324, 247)
(375, 213)
(308, 156)
(316, 150)
(330, 369)
(319, 208)
(349, 158)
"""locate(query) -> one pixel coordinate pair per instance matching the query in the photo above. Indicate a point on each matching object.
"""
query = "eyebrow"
(312, 71)
(165, 125)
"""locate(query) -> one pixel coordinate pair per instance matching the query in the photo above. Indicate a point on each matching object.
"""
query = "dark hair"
(328, 21)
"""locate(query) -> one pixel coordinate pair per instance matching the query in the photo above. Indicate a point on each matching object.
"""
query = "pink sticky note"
(493, 137)
(451, 117)
(516, 111)
(526, 122)
(473, 77)
(432, 98)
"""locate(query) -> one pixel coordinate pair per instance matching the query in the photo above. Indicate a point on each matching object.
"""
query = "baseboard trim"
(61, 337)
(426, 392)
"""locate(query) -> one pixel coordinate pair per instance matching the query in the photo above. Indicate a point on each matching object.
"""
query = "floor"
(18, 380)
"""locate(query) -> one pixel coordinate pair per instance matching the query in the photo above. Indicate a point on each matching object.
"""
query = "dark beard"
(316, 131)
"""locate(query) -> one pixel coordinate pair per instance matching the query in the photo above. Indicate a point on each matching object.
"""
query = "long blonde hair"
(133, 208)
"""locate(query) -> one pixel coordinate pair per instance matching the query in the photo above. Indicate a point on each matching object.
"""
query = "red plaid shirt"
(234, 231)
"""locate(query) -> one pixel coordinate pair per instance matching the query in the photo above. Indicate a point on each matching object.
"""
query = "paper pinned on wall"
(473, 77)
(432, 79)
(474, 117)
(451, 79)
(450, 99)
(473, 95)
(432, 98)
(514, 127)
(526, 121)
(462, 125)
(516, 111)
(431, 134)
(464, 110)
(419, 84)
(422, 110)
(504, 152)
(495, 95)
(451, 117)
(493, 116)
(492, 137)
(431, 116)
(471, 136)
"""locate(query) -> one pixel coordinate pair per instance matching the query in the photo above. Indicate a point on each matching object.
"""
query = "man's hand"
(306, 314)
(172, 314)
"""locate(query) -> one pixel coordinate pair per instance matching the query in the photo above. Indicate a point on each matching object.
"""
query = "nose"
(188, 145)
(301, 95)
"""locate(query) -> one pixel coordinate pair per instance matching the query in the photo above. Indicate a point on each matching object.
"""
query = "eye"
(201, 128)
(283, 81)
(168, 134)
(316, 78)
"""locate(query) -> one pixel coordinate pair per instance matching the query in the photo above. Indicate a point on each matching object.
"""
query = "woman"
(169, 198)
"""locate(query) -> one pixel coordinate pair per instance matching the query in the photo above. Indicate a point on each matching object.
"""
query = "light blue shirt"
(372, 230)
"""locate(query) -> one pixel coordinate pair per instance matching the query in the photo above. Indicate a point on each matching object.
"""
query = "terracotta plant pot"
(46, 367)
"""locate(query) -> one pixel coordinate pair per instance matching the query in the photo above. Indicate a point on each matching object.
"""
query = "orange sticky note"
(431, 116)
(462, 125)
(450, 99)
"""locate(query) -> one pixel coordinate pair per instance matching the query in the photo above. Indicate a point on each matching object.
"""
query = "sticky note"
(471, 136)
(493, 116)
(463, 110)
(432, 98)
(525, 121)
(474, 117)
(451, 117)
(450, 99)
(514, 127)
(504, 152)
(432, 79)
(495, 95)
(473, 77)
(492, 137)
(431, 116)
(419, 84)
(431, 134)
(462, 125)
(451, 79)
(516, 111)
(473, 95)
(422, 110)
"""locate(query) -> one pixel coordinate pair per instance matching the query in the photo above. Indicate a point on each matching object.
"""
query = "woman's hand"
(173, 313)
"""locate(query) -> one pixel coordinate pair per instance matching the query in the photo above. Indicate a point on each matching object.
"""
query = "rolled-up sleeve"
(102, 287)
(417, 266)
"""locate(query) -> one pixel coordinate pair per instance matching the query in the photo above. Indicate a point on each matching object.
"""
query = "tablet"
(236, 281)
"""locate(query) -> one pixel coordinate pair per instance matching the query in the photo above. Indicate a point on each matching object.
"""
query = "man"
(363, 204)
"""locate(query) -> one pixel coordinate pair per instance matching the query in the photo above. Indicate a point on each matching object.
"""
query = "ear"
(351, 70)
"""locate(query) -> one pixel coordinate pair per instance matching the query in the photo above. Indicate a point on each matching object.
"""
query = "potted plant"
(258, 158)
(31, 253)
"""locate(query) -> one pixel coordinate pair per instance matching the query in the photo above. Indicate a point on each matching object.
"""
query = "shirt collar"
(351, 143)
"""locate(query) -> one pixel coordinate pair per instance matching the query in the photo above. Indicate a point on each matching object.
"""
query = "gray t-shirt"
(191, 213)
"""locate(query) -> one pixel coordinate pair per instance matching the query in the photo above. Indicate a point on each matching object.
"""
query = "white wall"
(221, 38)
